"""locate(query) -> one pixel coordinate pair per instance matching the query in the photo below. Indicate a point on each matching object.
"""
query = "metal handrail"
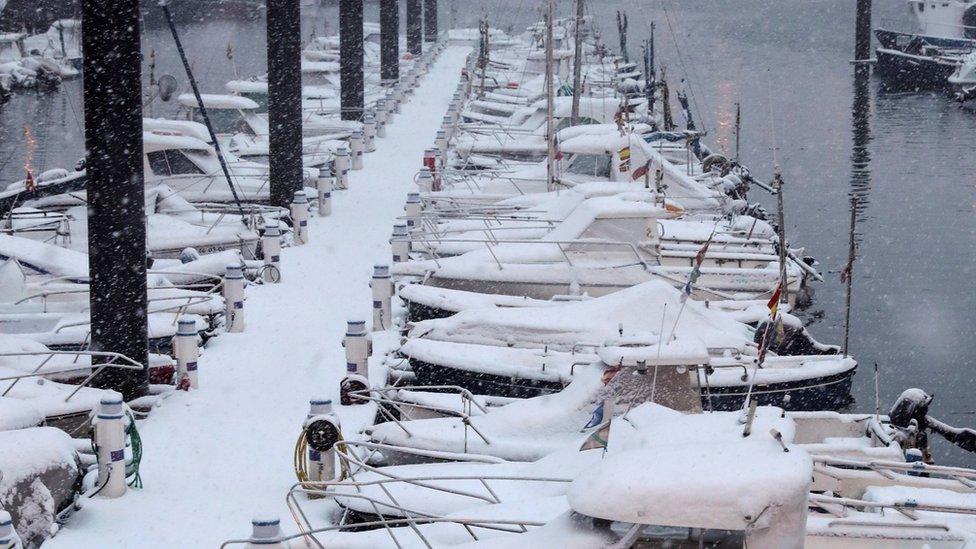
(127, 364)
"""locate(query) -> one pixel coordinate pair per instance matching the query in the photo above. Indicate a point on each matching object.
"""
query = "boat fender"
(189, 254)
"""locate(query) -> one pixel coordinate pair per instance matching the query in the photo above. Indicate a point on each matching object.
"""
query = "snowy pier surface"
(218, 456)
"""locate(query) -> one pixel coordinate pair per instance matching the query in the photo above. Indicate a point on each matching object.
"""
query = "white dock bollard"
(400, 242)
(357, 347)
(356, 148)
(8, 536)
(381, 118)
(441, 141)
(325, 191)
(322, 430)
(382, 287)
(341, 171)
(369, 132)
(413, 209)
(425, 180)
(187, 352)
(234, 298)
(299, 218)
(266, 534)
(271, 249)
(447, 126)
(438, 160)
(110, 443)
(398, 96)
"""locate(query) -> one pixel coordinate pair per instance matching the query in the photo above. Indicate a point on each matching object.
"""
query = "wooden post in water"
(430, 20)
(862, 31)
(116, 190)
(284, 100)
(389, 41)
(415, 32)
(351, 58)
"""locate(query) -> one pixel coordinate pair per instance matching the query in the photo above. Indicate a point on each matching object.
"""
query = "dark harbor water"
(907, 157)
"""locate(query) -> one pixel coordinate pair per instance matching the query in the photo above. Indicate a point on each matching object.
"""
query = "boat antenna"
(550, 90)
(847, 275)
(203, 110)
(738, 129)
(778, 185)
(577, 62)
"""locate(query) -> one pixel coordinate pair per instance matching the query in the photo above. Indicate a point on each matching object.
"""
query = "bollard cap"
(355, 327)
(299, 198)
(265, 528)
(234, 271)
(400, 229)
(368, 118)
(342, 151)
(111, 406)
(187, 326)
(381, 271)
(446, 121)
(413, 198)
(381, 103)
(272, 229)
(424, 173)
(319, 407)
(325, 171)
(358, 134)
(441, 134)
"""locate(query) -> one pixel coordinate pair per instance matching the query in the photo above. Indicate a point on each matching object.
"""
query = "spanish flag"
(773, 303)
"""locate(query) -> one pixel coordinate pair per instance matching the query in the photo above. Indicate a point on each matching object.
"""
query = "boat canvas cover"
(640, 308)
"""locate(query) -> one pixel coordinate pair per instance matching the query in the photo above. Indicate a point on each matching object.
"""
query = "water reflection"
(861, 140)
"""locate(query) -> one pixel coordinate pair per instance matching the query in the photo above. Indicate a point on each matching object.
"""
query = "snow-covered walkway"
(215, 457)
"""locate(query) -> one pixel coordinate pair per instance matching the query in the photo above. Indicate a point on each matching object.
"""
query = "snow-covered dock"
(218, 456)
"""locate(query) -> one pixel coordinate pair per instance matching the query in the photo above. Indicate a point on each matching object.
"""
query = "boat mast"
(778, 185)
(578, 62)
(550, 89)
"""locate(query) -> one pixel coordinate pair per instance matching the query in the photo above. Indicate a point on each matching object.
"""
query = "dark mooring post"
(389, 41)
(862, 31)
(430, 20)
(415, 31)
(351, 58)
(116, 190)
(284, 99)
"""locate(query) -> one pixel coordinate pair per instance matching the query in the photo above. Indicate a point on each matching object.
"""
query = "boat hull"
(831, 392)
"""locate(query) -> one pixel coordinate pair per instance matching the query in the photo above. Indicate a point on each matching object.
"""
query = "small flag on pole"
(696, 268)
(641, 171)
(609, 374)
(845, 273)
(29, 183)
(596, 418)
(598, 438)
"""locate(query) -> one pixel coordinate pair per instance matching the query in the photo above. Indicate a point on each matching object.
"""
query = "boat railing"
(917, 473)
(111, 360)
(351, 465)
(841, 506)
(467, 402)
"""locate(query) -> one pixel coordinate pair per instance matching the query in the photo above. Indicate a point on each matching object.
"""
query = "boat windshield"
(224, 121)
(648, 536)
(597, 165)
(172, 162)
